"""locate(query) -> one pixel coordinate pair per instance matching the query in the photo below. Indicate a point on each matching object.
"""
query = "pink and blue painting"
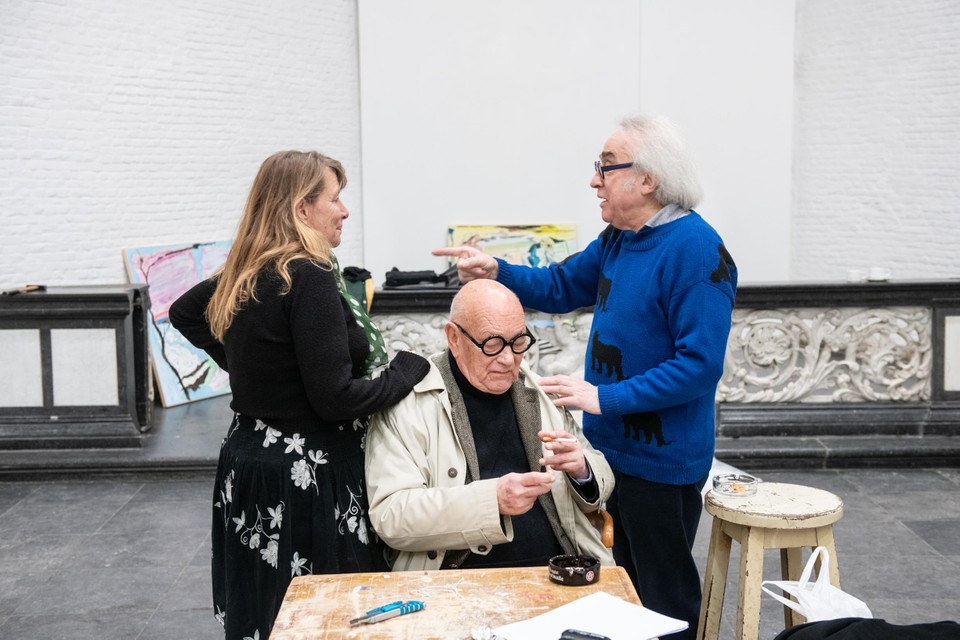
(183, 372)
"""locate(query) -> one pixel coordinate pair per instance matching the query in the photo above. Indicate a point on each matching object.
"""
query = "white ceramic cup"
(878, 274)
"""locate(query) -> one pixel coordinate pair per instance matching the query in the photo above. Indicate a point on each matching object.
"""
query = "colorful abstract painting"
(183, 372)
(537, 245)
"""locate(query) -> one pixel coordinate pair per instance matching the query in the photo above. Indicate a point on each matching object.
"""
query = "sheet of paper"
(598, 613)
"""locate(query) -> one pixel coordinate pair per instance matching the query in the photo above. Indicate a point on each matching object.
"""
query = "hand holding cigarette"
(562, 452)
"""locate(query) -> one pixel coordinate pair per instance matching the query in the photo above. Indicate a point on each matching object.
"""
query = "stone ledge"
(755, 453)
(840, 452)
(851, 419)
(61, 463)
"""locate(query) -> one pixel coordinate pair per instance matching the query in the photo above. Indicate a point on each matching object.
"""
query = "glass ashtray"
(737, 485)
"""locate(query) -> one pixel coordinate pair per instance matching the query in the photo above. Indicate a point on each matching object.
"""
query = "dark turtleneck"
(496, 436)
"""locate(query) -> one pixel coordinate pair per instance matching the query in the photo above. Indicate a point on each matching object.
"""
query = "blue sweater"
(663, 298)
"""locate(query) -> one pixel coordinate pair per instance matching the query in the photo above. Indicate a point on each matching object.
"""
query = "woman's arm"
(321, 341)
(188, 316)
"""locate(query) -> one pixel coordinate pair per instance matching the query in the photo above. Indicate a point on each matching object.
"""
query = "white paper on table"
(598, 612)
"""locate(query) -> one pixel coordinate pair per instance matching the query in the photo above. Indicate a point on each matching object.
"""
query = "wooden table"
(456, 601)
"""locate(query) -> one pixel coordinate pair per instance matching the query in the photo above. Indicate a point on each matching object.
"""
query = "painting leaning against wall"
(533, 245)
(183, 372)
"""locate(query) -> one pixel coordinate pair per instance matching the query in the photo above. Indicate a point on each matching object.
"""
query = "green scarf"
(378, 350)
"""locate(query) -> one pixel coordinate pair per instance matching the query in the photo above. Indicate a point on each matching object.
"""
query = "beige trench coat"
(417, 456)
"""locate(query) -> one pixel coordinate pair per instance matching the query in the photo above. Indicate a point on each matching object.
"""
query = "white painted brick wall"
(877, 138)
(134, 124)
(130, 124)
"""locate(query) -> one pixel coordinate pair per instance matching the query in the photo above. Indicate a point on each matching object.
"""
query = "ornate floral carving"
(561, 342)
(560, 347)
(418, 332)
(773, 355)
(828, 355)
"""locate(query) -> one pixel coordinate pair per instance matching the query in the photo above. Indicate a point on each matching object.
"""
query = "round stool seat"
(777, 505)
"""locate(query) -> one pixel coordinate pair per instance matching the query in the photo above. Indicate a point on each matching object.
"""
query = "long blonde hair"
(271, 232)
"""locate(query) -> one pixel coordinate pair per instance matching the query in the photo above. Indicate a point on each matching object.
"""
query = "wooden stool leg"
(791, 566)
(825, 539)
(714, 583)
(751, 575)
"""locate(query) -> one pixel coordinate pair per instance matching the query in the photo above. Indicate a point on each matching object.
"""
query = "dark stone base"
(737, 420)
(183, 439)
(103, 433)
(835, 436)
(840, 452)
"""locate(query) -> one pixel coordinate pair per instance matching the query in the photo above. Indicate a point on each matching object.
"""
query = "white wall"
(133, 124)
(486, 113)
(724, 72)
(495, 115)
(877, 139)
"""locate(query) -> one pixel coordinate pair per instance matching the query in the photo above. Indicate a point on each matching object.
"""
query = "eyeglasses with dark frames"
(494, 345)
(603, 169)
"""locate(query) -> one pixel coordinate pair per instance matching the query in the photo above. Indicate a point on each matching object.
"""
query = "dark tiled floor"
(126, 555)
(117, 557)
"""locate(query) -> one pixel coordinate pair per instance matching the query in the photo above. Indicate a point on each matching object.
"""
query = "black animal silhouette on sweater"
(605, 354)
(722, 272)
(603, 291)
(649, 423)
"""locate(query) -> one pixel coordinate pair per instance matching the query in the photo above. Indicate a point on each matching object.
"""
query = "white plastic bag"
(818, 600)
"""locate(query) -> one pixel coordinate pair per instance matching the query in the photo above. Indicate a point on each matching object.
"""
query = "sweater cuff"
(609, 401)
(503, 272)
(411, 366)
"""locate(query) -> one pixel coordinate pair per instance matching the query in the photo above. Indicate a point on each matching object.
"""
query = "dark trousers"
(654, 526)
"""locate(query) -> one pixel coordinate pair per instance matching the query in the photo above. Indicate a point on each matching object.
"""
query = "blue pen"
(388, 611)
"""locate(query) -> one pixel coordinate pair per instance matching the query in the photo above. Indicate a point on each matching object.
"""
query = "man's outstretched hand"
(472, 264)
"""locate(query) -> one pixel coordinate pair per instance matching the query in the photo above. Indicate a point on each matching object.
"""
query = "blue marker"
(388, 611)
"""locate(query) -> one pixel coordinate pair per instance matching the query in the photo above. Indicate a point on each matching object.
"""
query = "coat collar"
(525, 404)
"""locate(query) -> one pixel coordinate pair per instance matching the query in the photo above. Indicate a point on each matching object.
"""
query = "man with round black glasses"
(476, 467)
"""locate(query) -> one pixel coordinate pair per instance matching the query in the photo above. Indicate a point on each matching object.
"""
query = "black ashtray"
(574, 571)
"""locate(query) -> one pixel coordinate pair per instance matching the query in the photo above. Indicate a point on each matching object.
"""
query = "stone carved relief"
(560, 348)
(828, 355)
(418, 332)
(561, 342)
(780, 355)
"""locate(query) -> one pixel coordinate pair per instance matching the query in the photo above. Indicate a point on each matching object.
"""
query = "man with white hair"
(662, 285)
(476, 467)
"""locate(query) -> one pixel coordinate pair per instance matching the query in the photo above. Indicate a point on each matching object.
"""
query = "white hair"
(658, 149)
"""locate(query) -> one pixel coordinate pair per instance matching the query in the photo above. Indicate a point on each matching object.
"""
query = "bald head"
(483, 309)
(483, 297)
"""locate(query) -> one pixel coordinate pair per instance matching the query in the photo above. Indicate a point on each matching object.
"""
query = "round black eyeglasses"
(603, 169)
(493, 345)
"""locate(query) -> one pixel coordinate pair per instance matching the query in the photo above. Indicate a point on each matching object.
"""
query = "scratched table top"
(457, 602)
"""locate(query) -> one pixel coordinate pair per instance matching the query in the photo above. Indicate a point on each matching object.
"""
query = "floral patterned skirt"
(285, 505)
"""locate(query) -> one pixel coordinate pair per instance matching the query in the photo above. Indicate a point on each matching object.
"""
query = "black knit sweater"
(296, 360)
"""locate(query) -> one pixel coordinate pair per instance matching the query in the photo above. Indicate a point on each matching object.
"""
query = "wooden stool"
(779, 516)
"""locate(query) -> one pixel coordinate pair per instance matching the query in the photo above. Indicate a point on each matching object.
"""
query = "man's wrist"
(588, 489)
(583, 481)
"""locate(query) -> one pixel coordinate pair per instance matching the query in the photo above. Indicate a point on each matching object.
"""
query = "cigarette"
(549, 439)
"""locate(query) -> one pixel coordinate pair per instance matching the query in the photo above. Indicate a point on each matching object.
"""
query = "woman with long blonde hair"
(290, 497)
